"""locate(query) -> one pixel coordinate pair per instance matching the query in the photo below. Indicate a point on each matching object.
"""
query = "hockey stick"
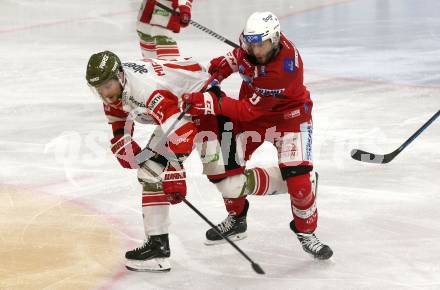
(147, 153)
(255, 266)
(364, 156)
(201, 27)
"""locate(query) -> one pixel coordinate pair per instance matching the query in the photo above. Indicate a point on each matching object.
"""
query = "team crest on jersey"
(289, 65)
(138, 68)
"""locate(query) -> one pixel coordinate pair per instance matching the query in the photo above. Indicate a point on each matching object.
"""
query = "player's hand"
(174, 184)
(125, 149)
(185, 15)
(220, 67)
(201, 104)
(184, 12)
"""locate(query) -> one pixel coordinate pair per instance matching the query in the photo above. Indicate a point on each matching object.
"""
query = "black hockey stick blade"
(257, 268)
(368, 157)
(364, 156)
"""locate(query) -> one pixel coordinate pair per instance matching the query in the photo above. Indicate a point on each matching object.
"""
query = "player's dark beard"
(269, 56)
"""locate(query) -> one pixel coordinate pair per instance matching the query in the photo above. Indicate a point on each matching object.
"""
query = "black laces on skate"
(310, 241)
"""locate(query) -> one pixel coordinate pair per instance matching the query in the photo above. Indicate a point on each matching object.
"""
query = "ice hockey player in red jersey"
(157, 27)
(149, 92)
(275, 106)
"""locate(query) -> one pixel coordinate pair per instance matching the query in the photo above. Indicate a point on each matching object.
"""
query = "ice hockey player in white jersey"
(148, 92)
(157, 27)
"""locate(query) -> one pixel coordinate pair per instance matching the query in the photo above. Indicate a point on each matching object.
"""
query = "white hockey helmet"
(259, 27)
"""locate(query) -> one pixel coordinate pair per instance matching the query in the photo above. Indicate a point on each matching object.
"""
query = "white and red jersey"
(152, 95)
(270, 92)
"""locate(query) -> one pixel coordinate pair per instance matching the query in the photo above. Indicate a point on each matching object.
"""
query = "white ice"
(373, 68)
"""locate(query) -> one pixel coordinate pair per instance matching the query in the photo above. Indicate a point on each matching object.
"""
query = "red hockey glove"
(185, 15)
(125, 149)
(220, 67)
(184, 11)
(174, 184)
(201, 104)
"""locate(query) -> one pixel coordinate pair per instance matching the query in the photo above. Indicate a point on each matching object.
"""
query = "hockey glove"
(201, 104)
(174, 184)
(125, 149)
(220, 67)
(184, 11)
(185, 15)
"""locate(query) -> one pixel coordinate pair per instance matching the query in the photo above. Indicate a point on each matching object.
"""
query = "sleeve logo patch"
(289, 65)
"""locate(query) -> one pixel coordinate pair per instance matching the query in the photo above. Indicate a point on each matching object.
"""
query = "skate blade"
(235, 237)
(323, 256)
(156, 265)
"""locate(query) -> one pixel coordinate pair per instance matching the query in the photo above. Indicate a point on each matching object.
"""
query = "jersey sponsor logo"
(137, 68)
(158, 69)
(155, 102)
(269, 92)
(292, 114)
(137, 103)
(289, 65)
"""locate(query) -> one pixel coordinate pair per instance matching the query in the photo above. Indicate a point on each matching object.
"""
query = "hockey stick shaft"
(255, 266)
(364, 156)
(417, 133)
(202, 28)
(147, 153)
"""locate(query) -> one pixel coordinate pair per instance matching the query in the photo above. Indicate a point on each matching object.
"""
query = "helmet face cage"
(259, 27)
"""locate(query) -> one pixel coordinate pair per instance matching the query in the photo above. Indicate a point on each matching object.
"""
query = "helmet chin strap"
(122, 81)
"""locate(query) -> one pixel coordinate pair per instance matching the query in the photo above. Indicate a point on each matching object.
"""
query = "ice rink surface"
(68, 212)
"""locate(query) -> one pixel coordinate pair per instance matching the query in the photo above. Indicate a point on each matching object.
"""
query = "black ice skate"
(152, 256)
(312, 245)
(234, 227)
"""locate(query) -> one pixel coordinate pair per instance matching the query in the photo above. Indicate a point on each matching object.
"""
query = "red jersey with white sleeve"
(269, 93)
